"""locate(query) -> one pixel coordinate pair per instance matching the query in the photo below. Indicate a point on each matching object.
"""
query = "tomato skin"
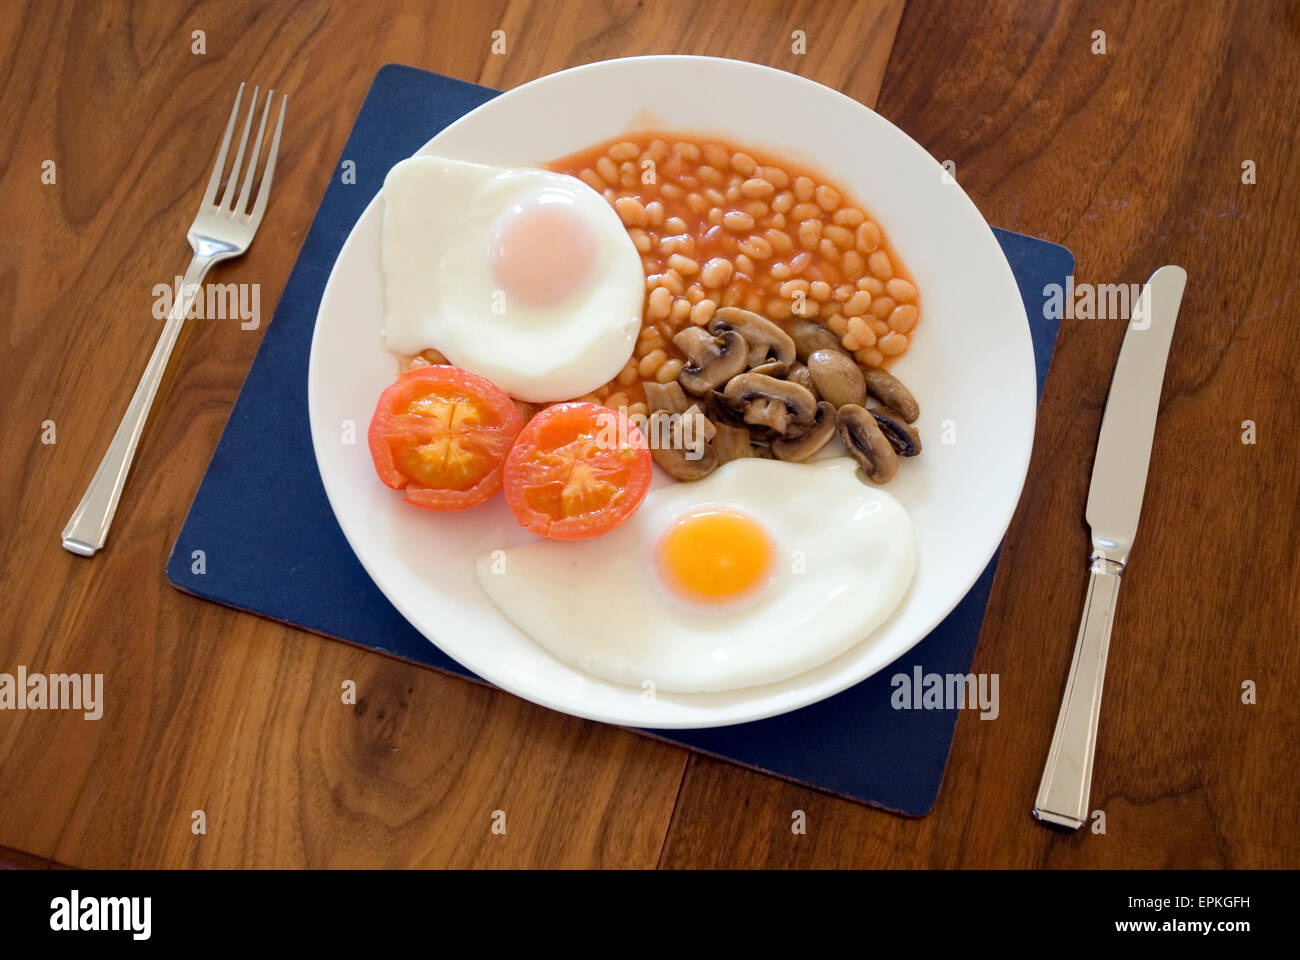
(478, 425)
(565, 481)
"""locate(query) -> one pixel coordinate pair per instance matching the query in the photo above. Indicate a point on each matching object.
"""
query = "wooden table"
(1132, 158)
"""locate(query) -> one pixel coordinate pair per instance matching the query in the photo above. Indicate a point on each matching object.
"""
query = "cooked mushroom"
(810, 336)
(731, 443)
(686, 458)
(887, 388)
(785, 408)
(837, 377)
(799, 374)
(712, 360)
(866, 443)
(667, 397)
(766, 340)
(773, 368)
(901, 435)
(804, 447)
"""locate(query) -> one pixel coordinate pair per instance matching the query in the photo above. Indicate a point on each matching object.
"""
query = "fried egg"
(757, 573)
(523, 276)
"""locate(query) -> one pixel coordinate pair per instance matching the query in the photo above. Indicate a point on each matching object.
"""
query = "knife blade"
(1119, 478)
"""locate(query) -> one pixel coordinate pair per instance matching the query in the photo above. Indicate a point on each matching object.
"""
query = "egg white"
(845, 557)
(439, 221)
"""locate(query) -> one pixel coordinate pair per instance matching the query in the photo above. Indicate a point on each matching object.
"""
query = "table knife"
(1119, 477)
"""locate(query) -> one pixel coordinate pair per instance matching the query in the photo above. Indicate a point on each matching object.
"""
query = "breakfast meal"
(653, 301)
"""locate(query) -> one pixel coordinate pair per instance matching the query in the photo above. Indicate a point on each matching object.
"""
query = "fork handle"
(88, 528)
(1067, 776)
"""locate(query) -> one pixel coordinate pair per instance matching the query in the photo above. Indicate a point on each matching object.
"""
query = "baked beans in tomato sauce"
(718, 226)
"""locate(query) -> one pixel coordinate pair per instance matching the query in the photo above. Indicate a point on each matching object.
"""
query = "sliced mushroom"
(889, 390)
(804, 447)
(731, 443)
(766, 340)
(866, 443)
(785, 408)
(810, 336)
(679, 465)
(773, 368)
(901, 435)
(711, 360)
(667, 397)
(837, 377)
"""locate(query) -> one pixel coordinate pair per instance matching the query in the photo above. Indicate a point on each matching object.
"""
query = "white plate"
(971, 367)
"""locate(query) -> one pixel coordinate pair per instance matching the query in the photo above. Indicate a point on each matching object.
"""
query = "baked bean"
(695, 293)
(697, 202)
(754, 302)
(737, 221)
(638, 409)
(607, 169)
(745, 264)
(743, 164)
(868, 236)
(670, 191)
(631, 212)
(828, 198)
(843, 292)
(837, 324)
(903, 318)
(841, 237)
(667, 373)
(854, 264)
(777, 220)
(733, 193)
(708, 174)
(757, 248)
(882, 307)
(592, 179)
(624, 150)
(658, 150)
(783, 202)
(804, 189)
(810, 233)
(654, 211)
(879, 265)
(800, 263)
(757, 187)
(715, 216)
(683, 265)
(703, 311)
(715, 196)
(640, 239)
(779, 271)
(873, 285)
(673, 281)
(755, 208)
(858, 335)
(828, 249)
(892, 344)
(849, 217)
(830, 271)
(660, 303)
(731, 296)
(651, 363)
(876, 324)
(858, 304)
(775, 176)
(806, 211)
(717, 155)
(716, 272)
(687, 150)
(820, 290)
(901, 290)
(675, 225)
(791, 287)
(627, 376)
(869, 357)
(777, 309)
(681, 310)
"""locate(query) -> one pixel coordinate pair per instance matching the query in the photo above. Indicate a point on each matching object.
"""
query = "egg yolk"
(543, 253)
(715, 556)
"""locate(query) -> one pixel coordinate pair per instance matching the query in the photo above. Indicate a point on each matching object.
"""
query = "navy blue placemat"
(270, 545)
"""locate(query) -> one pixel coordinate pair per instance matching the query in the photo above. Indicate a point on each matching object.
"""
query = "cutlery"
(1119, 477)
(220, 231)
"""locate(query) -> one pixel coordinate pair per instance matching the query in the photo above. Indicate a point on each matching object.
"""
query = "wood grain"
(1132, 159)
(209, 709)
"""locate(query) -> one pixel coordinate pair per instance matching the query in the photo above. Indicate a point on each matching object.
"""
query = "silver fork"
(219, 232)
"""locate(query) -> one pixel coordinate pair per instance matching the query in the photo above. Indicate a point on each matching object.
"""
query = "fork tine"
(215, 180)
(239, 154)
(264, 191)
(252, 158)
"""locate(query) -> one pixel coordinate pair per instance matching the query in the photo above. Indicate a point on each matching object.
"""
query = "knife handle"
(1067, 777)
